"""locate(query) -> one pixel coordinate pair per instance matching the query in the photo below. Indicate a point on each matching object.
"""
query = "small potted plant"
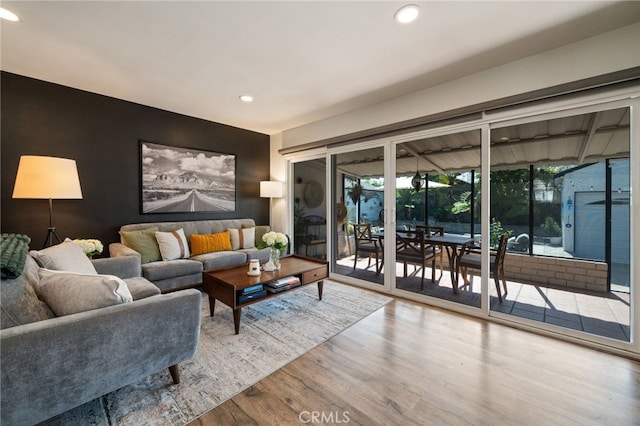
(553, 230)
(90, 247)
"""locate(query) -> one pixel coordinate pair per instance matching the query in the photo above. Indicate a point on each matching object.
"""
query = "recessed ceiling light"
(407, 14)
(8, 15)
(246, 98)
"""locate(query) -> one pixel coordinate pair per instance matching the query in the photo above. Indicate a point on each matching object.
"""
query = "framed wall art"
(177, 180)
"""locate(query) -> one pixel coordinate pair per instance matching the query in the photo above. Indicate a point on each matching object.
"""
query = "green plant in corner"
(497, 230)
(300, 224)
(551, 227)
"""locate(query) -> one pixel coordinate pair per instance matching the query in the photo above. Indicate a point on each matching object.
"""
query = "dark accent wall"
(102, 134)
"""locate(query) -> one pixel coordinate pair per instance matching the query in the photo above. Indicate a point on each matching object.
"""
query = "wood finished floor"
(409, 364)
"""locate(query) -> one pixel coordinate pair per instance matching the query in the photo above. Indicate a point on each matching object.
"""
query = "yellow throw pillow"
(201, 244)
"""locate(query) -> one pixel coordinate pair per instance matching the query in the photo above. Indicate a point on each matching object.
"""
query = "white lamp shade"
(47, 178)
(270, 189)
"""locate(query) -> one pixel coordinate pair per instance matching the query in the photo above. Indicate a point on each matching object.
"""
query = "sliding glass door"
(309, 208)
(359, 215)
(560, 190)
(525, 219)
(438, 193)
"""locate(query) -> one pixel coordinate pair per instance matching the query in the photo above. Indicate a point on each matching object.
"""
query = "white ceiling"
(301, 60)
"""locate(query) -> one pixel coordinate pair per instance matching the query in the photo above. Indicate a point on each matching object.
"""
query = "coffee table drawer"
(314, 275)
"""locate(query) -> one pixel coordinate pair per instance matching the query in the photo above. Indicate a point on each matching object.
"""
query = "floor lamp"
(48, 178)
(270, 189)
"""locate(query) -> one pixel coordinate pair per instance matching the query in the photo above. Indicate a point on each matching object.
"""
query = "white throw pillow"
(243, 238)
(173, 245)
(66, 256)
(68, 293)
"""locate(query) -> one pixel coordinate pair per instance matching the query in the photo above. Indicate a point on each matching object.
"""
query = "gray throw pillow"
(68, 293)
(66, 256)
(19, 303)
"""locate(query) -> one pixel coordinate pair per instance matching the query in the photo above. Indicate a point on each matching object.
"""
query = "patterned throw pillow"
(201, 244)
(144, 242)
(173, 245)
(242, 238)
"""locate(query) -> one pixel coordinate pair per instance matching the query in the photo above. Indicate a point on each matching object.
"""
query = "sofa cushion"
(156, 271)
(141, 287)
(19, 302)
(221, 259)
(68, 293)
(202, 227)
(256, 253)
(144, 242)
(242, 238)
(210, 243)
(173, 245)
(66, 256)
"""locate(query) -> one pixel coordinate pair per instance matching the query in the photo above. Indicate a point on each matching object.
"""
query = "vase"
(275, 258)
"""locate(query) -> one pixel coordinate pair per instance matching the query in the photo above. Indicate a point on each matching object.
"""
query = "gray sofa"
(170, 275)
(51, 363)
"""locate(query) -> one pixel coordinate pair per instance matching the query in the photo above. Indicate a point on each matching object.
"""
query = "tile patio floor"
(602, 314)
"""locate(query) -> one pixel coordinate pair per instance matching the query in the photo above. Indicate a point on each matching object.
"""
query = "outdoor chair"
(470, 258)
(430, 230)
(365, 243)
(411, 248)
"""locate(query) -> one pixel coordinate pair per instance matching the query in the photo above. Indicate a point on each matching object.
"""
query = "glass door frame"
(483, 128)
(560, 110)
(615, 98)
(291, 160)
(385, 146)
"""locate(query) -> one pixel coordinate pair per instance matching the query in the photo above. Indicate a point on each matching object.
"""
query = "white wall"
(278, 173)
(609, 52)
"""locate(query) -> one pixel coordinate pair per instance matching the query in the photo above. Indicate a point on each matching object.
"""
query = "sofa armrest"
(121, 266)
(54, 365)
(119, 249)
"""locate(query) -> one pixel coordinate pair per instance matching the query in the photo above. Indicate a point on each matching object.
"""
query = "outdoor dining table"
(449, 242)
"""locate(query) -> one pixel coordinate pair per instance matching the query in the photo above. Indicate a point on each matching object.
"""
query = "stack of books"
(254, 292)
(282, 284)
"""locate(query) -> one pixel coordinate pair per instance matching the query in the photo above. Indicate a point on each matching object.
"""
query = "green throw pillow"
(260, 231)
(144, 242)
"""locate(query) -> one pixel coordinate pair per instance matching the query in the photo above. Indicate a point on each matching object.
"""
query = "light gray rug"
(272, 334)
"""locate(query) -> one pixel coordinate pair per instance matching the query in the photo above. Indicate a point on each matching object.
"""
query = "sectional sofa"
(70, 331)
(166, 252)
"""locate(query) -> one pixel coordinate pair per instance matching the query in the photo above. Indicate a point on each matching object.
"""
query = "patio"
(602, 314)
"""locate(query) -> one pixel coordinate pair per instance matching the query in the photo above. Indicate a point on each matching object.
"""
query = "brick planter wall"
(557, 272)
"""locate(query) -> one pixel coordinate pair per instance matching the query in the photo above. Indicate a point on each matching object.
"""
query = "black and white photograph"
(178, 180)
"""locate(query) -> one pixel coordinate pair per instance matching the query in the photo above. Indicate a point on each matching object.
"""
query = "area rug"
(273, 333)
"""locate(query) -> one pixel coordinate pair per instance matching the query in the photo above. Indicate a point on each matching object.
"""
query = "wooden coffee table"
(226, 284)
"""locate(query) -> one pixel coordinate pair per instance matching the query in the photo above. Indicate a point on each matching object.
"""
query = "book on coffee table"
(282, 288)
(251, 296)
(283, 282)
(252, 289)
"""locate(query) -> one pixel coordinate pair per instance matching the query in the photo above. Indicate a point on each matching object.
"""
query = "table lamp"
(50, 178)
